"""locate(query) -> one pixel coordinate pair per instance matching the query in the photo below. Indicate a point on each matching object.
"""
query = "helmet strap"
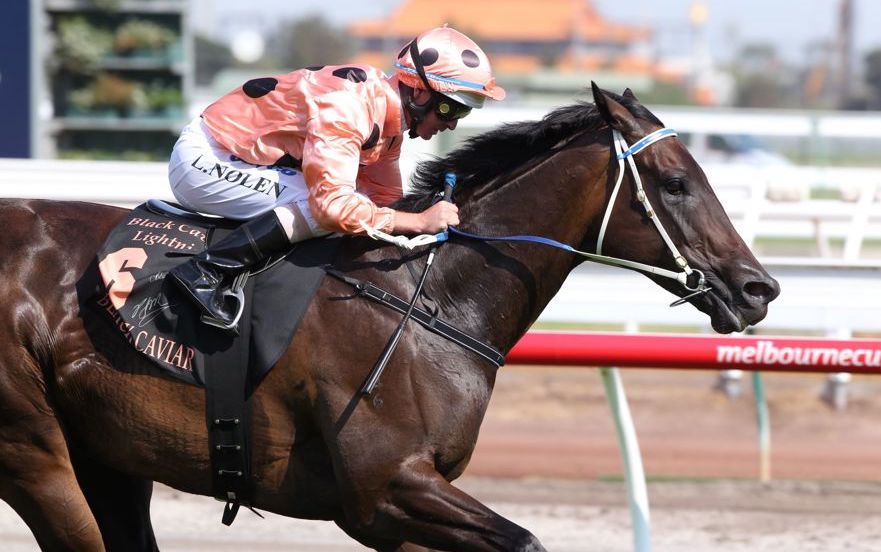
(417, 112)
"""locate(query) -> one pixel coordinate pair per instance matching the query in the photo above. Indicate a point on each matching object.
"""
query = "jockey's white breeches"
(207, 178)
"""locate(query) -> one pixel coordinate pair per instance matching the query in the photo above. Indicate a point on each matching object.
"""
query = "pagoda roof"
(501, 20)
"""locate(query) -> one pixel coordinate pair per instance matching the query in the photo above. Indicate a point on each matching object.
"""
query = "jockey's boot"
(210, 277)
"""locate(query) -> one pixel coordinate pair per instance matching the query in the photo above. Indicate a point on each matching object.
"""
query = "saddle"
(160, 322)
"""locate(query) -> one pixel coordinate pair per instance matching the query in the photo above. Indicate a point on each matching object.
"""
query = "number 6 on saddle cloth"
(160, 322)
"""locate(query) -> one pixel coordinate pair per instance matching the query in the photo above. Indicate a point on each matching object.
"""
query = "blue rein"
(527, 238)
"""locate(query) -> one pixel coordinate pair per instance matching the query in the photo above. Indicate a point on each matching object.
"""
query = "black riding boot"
(209, 276)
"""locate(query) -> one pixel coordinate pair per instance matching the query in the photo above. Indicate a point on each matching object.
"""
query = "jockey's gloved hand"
(436, 218)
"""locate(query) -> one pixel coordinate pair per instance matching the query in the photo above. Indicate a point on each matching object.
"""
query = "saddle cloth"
(162, 324)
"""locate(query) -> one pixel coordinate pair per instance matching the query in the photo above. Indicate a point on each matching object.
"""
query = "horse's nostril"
(764, 291)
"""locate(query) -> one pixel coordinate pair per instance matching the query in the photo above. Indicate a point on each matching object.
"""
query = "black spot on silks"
(428, 56)
(315, 68)
(287, 160)
(373, 139)
(353, 74)
(470, 58)
(257, 88)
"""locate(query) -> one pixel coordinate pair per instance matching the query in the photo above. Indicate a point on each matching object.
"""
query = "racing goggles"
(450, 110)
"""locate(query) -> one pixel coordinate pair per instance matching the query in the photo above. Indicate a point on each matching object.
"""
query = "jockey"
(316, 151)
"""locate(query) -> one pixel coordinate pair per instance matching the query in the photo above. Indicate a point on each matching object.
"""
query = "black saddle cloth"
(161, 323)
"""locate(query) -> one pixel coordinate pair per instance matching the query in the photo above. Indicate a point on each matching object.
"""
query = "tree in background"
(211, 58)
(818, 88)
(310, 41)
(759, 74)
(873, 79)
(666, 93)
(297, 43)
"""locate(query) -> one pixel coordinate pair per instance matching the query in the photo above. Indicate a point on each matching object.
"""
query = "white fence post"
(634, 475)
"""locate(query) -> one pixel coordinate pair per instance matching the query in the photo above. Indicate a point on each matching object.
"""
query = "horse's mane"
(506, 148)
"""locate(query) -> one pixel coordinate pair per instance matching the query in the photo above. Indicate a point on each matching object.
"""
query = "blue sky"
(788, 24)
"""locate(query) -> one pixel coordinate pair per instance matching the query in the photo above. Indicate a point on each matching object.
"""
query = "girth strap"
(228, 415)
(432, 323)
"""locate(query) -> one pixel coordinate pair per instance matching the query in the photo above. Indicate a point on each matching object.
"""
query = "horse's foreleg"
(421, 507)
(120, 504)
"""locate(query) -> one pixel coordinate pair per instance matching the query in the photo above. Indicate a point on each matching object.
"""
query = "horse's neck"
(496, 290)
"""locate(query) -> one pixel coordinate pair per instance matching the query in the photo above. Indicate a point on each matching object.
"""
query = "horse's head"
(557, 177)
(684, 207)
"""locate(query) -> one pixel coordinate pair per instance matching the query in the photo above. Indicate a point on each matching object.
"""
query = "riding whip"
(376, 372)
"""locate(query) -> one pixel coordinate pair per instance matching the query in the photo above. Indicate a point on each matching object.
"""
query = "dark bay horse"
(87, 424)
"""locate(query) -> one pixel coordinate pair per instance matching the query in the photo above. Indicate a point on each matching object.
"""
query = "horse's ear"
(628, 93)
(616, 115)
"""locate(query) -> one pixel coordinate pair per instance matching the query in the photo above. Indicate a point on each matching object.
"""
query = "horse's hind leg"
(120, 504)
(36, 476)
(420, 506)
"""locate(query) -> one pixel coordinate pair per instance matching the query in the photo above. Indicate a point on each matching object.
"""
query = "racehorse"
(87, 423)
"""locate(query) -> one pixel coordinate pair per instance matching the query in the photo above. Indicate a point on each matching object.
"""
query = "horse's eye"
(674, 186)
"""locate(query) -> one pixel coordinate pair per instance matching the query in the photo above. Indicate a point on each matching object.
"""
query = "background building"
(538, 49)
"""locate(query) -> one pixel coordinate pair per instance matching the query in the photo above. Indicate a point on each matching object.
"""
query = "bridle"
(622, 152)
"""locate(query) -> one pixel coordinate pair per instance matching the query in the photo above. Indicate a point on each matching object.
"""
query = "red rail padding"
(778, 354)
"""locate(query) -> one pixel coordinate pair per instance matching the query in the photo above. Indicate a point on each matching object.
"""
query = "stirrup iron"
(237, 290)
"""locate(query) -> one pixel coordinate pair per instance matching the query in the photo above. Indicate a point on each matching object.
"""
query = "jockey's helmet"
(448, 62)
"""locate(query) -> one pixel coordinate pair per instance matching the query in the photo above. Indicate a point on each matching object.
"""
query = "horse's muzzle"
(760, 292)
